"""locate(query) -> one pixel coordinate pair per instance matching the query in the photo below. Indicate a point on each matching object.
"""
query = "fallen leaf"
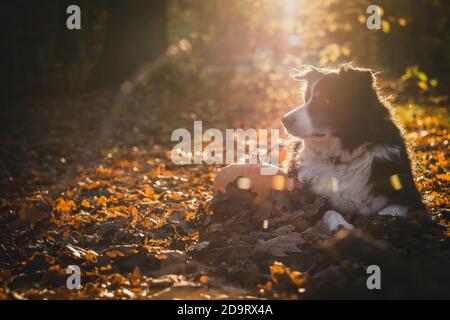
(65, 206)
(280, 246)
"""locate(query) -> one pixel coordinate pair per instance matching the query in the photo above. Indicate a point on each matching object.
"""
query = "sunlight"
(290, 7)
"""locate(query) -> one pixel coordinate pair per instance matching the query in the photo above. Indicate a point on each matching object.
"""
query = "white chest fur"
(345, 184)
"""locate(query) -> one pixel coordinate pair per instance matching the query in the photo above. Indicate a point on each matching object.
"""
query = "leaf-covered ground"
(88, 181)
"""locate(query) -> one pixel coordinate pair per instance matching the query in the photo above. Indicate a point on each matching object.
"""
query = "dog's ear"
(307, 73)
(359, 77)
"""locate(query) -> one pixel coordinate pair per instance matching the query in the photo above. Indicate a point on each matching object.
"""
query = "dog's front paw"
(333, 220)
(395, 211)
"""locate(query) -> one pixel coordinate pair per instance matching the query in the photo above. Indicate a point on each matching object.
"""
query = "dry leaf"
(65, 206)
(282, 245)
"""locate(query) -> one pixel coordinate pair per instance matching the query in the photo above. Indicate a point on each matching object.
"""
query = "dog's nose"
(287, 121)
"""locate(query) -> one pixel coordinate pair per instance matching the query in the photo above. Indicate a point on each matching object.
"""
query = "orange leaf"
(91, 256)
(149, 192)
(135, 214)
(114, 253)
(444, 176)
(85, 204)
(101, 201)
(65, 206)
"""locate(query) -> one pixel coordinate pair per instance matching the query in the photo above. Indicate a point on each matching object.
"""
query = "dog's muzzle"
(298, 123)
(288, 122)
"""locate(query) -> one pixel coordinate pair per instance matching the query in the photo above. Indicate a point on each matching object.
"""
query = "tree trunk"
(136, 32)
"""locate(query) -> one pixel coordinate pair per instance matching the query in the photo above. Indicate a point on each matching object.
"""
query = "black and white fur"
(351, 151)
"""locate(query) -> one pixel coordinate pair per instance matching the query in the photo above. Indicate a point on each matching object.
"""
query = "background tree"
(136, 32)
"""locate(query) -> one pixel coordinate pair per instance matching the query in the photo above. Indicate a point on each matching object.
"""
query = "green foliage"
(416, 82)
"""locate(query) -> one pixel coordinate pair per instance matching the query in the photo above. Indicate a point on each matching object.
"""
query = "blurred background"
(206, 37)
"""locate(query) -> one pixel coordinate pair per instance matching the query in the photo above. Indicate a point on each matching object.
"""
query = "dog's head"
(340, 103)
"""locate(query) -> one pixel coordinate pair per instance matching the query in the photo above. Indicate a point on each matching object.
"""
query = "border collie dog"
(351, 151)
